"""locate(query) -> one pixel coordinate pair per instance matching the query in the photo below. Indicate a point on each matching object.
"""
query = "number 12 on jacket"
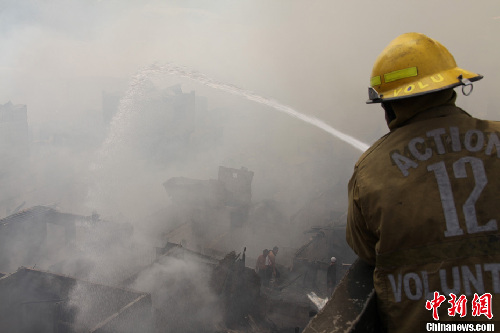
(469, 209)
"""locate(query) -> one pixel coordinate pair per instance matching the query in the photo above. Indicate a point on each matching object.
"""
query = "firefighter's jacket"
(424, 209)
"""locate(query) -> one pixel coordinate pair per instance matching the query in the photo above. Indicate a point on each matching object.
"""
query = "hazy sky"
(315, 56)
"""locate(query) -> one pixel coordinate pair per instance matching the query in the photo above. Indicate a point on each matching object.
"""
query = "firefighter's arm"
(358, 235)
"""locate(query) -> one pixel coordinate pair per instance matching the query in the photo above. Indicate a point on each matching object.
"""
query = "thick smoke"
(60, 58)
(180, 290)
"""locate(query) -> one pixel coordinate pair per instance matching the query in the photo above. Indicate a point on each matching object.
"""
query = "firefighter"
(272, 271)
(331, 276)
(260, 266)
(424, 199)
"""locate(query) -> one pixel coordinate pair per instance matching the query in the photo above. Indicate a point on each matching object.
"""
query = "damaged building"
(223, 293)
(45, 302)
(209, 208)
(14, 137)
(194, 274)
(70, 244)
(32, 235)
(214, 213)
(237, 300)
(14, 149)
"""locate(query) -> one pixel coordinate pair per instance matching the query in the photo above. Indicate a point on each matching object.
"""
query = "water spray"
(130, 104)
(203, 79)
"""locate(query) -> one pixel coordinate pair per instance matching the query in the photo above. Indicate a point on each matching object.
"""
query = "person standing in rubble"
(423, 199)
(272, 271)
(260, 267)
(331, 276)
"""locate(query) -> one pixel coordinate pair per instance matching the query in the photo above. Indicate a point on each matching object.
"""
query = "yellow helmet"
(414, 64)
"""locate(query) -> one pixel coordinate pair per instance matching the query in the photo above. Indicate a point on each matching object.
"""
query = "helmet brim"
(412, 88)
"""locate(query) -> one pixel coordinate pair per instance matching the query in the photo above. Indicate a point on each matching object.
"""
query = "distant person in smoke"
(423, 199)
(331, 276)
(260, 266)
(272, 271)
